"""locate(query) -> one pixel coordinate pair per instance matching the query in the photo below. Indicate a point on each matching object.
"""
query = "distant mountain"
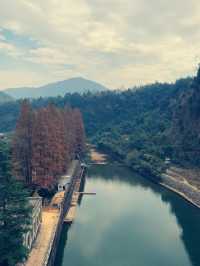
(72, 85)
(4, 98)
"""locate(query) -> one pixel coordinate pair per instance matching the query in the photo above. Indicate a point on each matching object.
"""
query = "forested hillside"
(15, 214)
(140, 126)
(185, 132)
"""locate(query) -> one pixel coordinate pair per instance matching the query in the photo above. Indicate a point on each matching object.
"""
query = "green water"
(130, 222)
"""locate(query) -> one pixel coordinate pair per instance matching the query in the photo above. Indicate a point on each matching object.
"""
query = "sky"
(119, 43)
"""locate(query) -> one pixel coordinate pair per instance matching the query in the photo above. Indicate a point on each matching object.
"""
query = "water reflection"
(187, 215)
(62, 244)
(82, 188)
(188, 218)
(120, 174)
(130, 222)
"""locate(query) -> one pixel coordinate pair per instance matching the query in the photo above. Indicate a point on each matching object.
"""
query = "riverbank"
(180, 194)
(97, 157)
(184, 182)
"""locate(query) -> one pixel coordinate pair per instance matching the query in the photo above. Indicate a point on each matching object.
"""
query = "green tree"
(14, 213)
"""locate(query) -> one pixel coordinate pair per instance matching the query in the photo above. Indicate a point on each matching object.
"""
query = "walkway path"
(48, 226)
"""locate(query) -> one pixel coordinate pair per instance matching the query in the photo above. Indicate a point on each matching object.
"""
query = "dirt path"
(97, 157)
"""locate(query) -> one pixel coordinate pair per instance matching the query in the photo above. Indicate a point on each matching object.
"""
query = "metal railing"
(64, 208)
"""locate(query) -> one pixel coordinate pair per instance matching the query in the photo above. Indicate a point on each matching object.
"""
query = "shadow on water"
(82, 188)
(121, 174)
(187, 215)
(62, 244)
(65, 230)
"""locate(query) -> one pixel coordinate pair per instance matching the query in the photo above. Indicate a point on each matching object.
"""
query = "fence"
(51, 253)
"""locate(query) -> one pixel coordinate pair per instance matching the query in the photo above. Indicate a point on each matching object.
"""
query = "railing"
(64, 208)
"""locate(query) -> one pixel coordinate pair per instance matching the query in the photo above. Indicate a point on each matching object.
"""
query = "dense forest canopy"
(15, 214)
(102, 107)
(138, 125)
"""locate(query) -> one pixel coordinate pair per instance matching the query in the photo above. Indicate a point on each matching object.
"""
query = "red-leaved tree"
(45, 142)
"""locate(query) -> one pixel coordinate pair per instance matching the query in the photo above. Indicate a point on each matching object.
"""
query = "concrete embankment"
(44, 250)
(176, 182)
(183, 182)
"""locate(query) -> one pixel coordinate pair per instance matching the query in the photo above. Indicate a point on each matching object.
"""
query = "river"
(130, 222)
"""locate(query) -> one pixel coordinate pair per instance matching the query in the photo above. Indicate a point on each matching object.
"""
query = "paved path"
(40, 248)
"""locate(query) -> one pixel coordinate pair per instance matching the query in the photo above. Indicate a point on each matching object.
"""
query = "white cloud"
(9, 49)
(117, 42)
(2, 38)
(21, 78)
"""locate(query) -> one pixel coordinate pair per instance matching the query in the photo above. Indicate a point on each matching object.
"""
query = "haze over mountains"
(59, 88)
(4, 98)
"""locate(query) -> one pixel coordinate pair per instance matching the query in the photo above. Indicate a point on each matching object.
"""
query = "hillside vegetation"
(185, 133)
(140, 126)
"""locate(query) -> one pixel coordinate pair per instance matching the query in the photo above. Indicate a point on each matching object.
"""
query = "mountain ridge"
(4, 97)
(59, 88)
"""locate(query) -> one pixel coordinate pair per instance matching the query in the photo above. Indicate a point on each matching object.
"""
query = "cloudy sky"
(116, 42)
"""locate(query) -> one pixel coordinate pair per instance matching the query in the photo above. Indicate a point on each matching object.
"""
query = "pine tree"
(14, 213)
